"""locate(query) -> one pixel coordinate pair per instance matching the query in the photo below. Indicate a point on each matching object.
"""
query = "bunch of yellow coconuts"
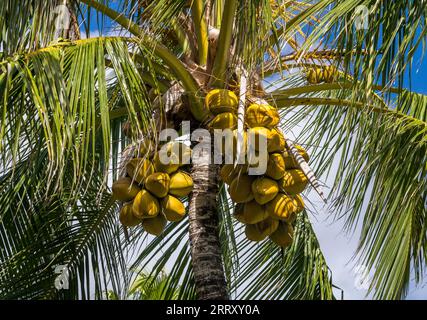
(317, 75)
(153, 189)
(268, 203)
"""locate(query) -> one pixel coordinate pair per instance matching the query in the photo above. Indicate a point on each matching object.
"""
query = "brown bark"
(205, 245)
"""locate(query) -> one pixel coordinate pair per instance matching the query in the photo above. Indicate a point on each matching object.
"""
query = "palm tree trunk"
(205, 245)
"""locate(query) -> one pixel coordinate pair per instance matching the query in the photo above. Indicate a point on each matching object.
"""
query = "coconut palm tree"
(72, 104)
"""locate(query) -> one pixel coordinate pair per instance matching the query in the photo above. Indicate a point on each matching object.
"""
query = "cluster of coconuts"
(317, 75)
(268, 203)
(153, 189)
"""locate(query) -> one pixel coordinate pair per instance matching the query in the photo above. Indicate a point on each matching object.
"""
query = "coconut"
(221, 100)
(290, 161)
(284, 235)
(145, 205)
(167, 163)
(276, 141)
(240, 189)
(257, 134)
(282, 207)
(139, 169)
(181, 184)
(261, 115)
(173, 209)
(158, 184)
(261, 230)
(145, 149)
(315, 75)
(229, 172)
(264, 190)
(299, 203)
(126, 216)
(329, 74)
(227, 145)
(225, 120)
(124, 189)
(250, 212)
(176, 149)
(275, 166)
(156, 225)
(293, 182)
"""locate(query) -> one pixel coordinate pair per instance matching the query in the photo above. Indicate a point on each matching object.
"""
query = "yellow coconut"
(176, 149)
(124, 189)
(329, 74)
(276, 141)
(225, 143)
(275, 166)
(126, 216)
(299, 203)
(240, 189)
(139, 169)
(166, 163)
(293, 182)
(173, 209)
(258, 161)
(261, 230)
(225, 120)
(181, 184)
(145, 205)
(315, 75)
(261, 115)
(158, 184)
(264, 190)
(284, 235)
(282, 207)
(250, 212)
(145, 149)
(290, 161)
(229, 172)
(256, 136)
(221, 100)
(156, 225)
